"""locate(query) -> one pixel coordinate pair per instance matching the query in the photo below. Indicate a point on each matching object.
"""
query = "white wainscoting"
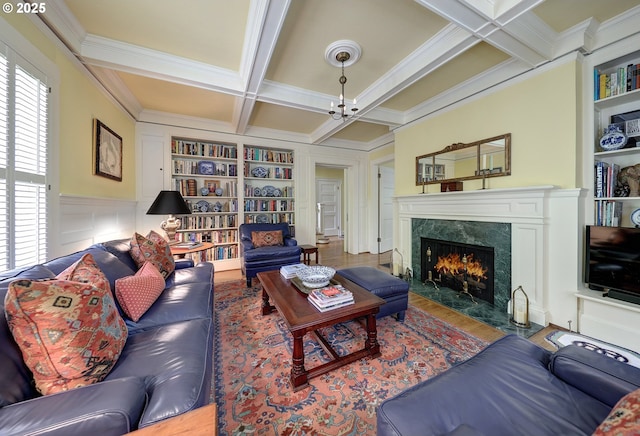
(84, 221)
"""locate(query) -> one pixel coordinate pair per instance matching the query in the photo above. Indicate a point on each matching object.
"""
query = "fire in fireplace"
(462, 267)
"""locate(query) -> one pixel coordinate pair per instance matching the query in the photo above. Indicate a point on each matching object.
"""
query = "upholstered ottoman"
(391, 289)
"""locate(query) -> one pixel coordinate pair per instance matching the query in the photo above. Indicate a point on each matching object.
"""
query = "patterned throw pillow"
(266, 239)
(137, 293)
(70, 333)
(624, 418)
(155, 249)
(85, 270)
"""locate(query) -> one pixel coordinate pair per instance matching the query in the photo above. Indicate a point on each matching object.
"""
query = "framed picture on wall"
(107, 151)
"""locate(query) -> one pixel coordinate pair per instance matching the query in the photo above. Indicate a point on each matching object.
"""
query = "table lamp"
(169, 203)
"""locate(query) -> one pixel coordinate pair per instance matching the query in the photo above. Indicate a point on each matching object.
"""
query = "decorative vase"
(613, 138)
(204, 190)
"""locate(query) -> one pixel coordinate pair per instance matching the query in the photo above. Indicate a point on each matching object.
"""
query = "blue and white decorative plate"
(206, 167)
(268, 191)
(203, 206)
(277, 192)
(262, 219)
(259, 172)
(613, 138)
(257, 192)
(219, 191)
(635, 217)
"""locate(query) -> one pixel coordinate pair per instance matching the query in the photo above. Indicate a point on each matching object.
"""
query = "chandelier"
(342, 113)
(337, 54)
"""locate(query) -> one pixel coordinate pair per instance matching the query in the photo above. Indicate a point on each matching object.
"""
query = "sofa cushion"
(271, 255)
(267, 238)
(137, 293)
(69, 332)
(173, 361)
(505, 385)
(624, 419)
(109, 264)
(155, 249)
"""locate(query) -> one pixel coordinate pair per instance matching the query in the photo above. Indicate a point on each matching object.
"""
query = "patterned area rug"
(252, 361)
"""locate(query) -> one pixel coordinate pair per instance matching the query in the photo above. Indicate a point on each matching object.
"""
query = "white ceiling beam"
(60, 19)
(491, 28)
(118, 89)
(133, 59)
(261, 36)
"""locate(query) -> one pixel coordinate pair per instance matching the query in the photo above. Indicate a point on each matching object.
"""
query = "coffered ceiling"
(258, 68)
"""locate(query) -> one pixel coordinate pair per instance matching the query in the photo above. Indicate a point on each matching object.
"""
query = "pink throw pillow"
(137, 293)
(155, 249)
(85, 270)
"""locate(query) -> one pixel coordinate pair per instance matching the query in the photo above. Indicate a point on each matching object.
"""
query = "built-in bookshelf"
(268, 186)
(616, 96)
(206, 174)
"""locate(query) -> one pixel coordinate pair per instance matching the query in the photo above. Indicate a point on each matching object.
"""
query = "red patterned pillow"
(137, 293)
(624, 418)
(85, 270)
(70, 333)
(155, 249)
(266, 239)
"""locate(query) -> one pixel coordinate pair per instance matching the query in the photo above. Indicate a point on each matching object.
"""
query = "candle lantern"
(520, 308)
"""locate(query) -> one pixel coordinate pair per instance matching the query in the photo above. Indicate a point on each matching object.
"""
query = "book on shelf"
(290, 271)
(324, 308)
(605, 179)
(331, 295)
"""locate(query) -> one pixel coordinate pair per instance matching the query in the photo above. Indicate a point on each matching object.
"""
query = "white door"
(386, 190)
(328, 195)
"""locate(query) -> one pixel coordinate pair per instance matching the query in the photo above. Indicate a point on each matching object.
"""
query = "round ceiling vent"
(350, 51)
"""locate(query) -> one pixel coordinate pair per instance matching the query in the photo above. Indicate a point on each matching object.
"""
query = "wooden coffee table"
(301, 318)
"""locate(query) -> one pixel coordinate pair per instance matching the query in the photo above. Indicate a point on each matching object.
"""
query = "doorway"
(329, 207)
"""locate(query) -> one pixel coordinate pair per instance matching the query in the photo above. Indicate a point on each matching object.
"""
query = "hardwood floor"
(332, 254)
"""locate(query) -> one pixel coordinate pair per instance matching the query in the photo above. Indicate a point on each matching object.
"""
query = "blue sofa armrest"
(599, 376)
(184, 263)
(111, 407)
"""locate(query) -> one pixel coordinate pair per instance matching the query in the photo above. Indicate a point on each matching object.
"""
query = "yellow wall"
(80, 102)
(541, 115)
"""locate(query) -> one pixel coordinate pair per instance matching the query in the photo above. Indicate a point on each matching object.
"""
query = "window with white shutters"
(23, 163)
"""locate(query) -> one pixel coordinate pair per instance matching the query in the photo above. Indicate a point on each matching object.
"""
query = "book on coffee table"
(330, 297)
(291, 271)
(323, 307)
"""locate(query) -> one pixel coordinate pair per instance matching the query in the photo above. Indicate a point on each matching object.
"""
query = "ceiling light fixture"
(337, 54)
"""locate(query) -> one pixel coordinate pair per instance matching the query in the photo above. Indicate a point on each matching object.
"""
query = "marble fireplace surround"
(528, 212)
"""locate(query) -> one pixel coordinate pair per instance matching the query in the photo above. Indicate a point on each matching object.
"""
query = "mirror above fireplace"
(489, 157)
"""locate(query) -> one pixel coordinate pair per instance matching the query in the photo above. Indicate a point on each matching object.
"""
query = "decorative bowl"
(316, 276)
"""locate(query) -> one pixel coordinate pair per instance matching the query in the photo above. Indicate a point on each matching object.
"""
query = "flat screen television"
(612, 261)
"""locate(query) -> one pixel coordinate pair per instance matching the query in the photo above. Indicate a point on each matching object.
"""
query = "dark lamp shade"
(169, 203)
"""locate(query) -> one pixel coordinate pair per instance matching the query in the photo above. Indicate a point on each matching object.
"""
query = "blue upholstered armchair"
(262, 249)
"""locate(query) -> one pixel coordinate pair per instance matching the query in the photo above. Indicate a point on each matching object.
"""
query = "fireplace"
(466, 268)
(488, 242)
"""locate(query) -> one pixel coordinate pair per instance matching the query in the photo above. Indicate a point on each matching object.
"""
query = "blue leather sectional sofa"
(511, 388)
(163, 371)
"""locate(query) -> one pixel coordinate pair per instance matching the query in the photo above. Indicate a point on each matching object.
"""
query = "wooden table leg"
(299, 377)
(266, 307)
(372, 336)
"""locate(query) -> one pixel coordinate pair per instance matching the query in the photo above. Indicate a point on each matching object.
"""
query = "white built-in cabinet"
(601, 317)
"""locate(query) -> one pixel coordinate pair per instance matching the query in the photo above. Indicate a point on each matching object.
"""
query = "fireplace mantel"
(530, 211)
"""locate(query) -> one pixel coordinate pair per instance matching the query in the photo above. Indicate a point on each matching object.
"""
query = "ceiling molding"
(59, 19)
(263, 29)
(112, 81)
(146, 62)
